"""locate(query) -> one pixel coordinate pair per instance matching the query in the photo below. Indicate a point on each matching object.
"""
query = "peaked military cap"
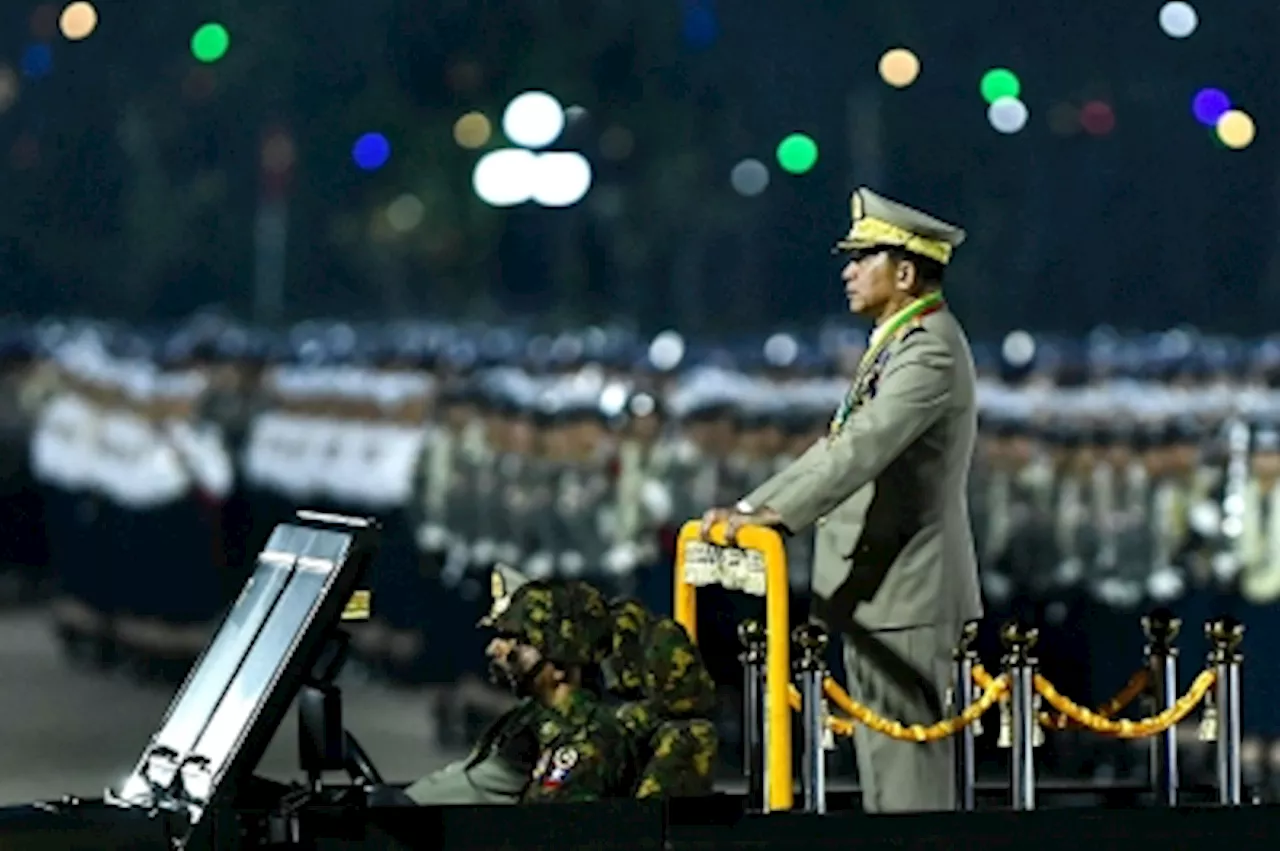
(503, 583)
(879, 222)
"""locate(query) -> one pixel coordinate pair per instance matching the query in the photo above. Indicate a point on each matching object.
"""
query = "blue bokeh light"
(1208, 106)
(37, 61)
(701, 29)
(371, 151)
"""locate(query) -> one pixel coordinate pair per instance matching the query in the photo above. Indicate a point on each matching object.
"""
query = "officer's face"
(872, 280)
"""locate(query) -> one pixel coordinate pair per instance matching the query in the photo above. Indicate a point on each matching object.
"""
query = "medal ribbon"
(884, 334)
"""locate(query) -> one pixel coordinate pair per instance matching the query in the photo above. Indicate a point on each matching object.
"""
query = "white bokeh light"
(666, 351)
(533, 120)
(405, 213)
(1008, 115)
(562, 178)
(505, 177)
(1178, 19)
(749, 177)
(1019, 348)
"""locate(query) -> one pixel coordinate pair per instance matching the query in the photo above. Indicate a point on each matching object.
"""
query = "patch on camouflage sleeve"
(563, 759)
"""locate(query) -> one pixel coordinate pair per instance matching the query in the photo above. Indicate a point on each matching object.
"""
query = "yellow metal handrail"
(768, 543)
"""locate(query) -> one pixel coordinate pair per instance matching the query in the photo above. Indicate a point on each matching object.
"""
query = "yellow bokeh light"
(472, 130)
(1236, 129)
(78, 20)
(899, 67)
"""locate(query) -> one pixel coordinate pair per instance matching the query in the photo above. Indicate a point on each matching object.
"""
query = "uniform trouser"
(489, 781)
(902, 674)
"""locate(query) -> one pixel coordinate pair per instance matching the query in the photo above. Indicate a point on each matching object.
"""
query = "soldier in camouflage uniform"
(558, 742)
(668, 694)
(550, 637)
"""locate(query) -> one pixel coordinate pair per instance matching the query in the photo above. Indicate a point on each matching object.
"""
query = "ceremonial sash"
(878, 350)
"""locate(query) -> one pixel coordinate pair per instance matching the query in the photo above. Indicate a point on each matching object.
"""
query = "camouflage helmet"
(567, 621)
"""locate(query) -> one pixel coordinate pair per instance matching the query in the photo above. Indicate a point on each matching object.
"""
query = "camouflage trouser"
(490, 781)
(683, 760)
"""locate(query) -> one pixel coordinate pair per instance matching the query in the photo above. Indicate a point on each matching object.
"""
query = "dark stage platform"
(684, 826)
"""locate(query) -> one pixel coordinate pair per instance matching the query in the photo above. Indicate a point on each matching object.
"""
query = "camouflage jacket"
(671, 696)
(585, 754)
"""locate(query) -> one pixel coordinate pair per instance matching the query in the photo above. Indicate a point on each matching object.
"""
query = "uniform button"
(822, 521)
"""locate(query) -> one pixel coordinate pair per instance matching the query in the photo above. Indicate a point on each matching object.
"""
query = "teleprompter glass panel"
(192, 708)
(317, 563)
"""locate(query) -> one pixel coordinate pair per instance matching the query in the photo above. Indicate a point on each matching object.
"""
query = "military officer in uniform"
(894, 565)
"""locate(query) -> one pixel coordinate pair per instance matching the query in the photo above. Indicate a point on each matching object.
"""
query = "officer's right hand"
(711, 518)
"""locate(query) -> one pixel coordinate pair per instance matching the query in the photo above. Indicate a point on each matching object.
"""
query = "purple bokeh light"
(1208, 105)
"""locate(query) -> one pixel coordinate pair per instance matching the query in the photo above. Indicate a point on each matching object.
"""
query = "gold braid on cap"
(869, 231)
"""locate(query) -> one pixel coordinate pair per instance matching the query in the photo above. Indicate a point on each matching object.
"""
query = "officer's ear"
(906, 275)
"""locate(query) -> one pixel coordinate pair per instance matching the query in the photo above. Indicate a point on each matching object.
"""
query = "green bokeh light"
(797, 153)
(210, 43)
(1000, 83)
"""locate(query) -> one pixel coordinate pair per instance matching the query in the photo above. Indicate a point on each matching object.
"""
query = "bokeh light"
(505, 177)
(1209, 105)
(210, 42)
(700, 28)
(533, 120)
(797, 153)
(1064, 119)
(1097, 118)
(472, 130)
(749, 178)
(44, 22)
(278, 153)
(1008, 115)
(1236, 129)
(1178, 19)
(899, 67)
(25, 153)
(561, 178)
(617, 143)
(78, 21)
(371, 151)
(8, 87)
(37, 61)
(405, 213)
(999, 83)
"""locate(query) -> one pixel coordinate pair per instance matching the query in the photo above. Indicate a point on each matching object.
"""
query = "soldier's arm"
(914, 391)
(586, 767)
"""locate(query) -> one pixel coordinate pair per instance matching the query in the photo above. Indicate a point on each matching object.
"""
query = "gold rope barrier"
(1137, 684)
(992, 692)
(1125, 729)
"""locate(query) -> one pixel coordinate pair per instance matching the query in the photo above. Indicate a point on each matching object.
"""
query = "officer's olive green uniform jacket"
(887, 493)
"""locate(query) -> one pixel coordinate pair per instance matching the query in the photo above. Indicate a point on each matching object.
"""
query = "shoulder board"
(913, 328)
